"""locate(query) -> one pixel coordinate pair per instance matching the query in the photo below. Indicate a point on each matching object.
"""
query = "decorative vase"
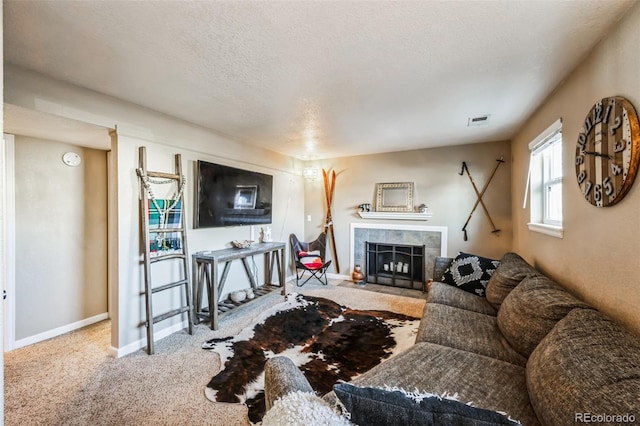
(357, 276)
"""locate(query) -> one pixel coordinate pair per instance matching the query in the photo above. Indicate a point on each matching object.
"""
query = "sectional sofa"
(528, 349)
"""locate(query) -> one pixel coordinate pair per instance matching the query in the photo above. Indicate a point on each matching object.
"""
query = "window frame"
(541, 180)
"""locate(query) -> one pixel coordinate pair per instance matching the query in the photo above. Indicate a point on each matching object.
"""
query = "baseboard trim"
(59, 331)
(142, 343)
(338, 276)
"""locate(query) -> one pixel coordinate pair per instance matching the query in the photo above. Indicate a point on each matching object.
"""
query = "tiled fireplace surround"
(434, 239)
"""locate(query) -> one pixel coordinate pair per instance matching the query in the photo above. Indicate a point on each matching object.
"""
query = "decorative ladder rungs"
(170, 314)
(167, 257)
(146, 200)
(164, 175)
(167, 230)
(170, 285)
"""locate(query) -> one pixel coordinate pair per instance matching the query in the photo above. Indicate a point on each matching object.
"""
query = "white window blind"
(544, 181)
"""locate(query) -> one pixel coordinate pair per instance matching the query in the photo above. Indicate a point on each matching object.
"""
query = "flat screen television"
(227, 196)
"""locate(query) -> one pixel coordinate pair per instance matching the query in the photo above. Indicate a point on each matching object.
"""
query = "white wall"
(163, 136)
(61, 236)
(598, 256)
(288, 200)
(448, 196)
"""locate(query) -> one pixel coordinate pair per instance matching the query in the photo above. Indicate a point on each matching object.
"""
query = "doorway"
(60, 238)
(60, 245)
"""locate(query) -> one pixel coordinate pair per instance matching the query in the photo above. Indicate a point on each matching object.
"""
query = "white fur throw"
(302, 409)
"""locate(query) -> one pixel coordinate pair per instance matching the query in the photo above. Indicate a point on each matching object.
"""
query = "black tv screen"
(227, 196)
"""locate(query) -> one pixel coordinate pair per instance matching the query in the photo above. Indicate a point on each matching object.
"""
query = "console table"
(205, 272)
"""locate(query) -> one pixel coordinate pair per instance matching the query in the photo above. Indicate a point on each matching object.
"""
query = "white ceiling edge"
(37, 124)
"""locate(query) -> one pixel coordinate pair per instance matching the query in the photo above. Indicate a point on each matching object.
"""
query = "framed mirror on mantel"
(394, 197)
(395, 201)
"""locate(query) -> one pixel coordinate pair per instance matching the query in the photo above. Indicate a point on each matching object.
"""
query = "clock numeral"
(582, 141)
(581, 177)
(608, 186)
(607, 112)
(597, 193)
(616, 125)
(579, 160)
(587, 189)
(615, 169)
(588, 125)
(597, 114)
(620, 145)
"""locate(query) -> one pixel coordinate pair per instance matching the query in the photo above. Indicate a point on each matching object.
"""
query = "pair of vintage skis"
(329, 189)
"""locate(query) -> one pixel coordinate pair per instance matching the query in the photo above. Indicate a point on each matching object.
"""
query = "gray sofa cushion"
(380, 407)
(531, 310)
(445, 294)
(586, 365)
(467, 331)
(426, 367)
(512, 270)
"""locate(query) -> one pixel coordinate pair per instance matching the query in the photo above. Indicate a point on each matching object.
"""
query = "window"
(545, 179)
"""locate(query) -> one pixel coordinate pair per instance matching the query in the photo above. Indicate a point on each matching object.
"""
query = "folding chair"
(310, 257)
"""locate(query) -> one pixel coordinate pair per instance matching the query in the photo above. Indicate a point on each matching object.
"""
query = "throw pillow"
(470, 273)
(373, 406)
(311, 262)
(302, 409)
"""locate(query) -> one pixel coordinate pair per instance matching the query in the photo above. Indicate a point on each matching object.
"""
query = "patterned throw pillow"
(310, 259)
(379, 407)
(470, 273)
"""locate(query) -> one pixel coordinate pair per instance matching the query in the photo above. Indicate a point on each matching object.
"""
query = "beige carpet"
(70, 380)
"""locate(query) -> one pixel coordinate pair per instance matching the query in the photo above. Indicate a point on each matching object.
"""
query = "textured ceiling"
(317, 79)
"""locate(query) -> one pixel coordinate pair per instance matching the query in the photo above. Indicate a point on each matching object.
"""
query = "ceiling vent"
(478, 121)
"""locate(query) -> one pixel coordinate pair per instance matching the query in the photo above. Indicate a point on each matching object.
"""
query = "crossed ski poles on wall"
(479, 195)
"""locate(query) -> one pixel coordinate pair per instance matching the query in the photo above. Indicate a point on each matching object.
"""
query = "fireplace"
(431, 240)
(397, 265)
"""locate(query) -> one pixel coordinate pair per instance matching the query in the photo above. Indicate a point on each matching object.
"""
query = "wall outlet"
(308, 218)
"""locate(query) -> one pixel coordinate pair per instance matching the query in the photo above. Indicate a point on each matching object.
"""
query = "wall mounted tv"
(227, 196)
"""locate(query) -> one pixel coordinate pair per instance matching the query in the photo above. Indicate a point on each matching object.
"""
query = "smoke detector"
(478, 121)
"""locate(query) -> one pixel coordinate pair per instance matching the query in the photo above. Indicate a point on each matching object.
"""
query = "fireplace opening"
(397, 265)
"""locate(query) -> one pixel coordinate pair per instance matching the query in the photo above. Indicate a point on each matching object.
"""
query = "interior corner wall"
(61, 236)
(163, 137)
(598, 257)
(449, 196)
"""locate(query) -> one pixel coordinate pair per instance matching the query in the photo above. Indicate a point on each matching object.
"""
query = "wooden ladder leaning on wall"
(147, 202)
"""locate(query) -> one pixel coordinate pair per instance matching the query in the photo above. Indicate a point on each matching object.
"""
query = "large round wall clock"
(608, 151)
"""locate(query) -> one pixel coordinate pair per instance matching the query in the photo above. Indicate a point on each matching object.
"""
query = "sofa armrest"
(440, 266)
(281, 376)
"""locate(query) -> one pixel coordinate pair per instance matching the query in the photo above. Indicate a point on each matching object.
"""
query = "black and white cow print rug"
(327, 341)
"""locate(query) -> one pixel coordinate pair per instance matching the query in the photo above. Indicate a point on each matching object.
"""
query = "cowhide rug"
(327, 341)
